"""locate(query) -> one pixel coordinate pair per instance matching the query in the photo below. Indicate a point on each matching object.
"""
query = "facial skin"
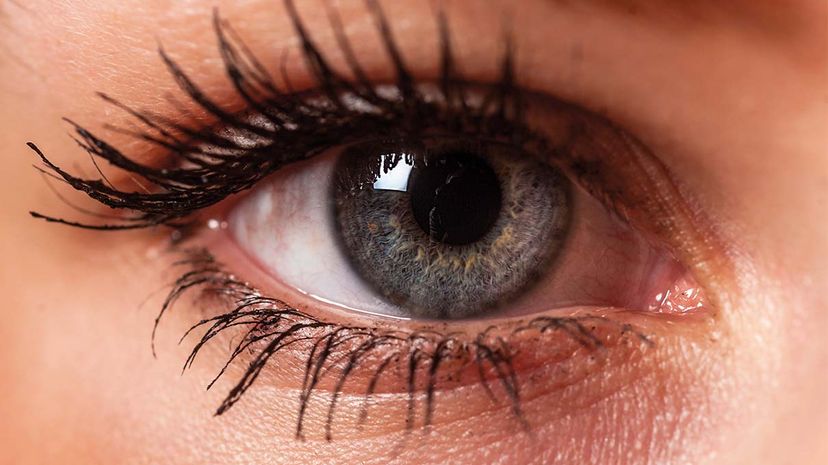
(731, 97)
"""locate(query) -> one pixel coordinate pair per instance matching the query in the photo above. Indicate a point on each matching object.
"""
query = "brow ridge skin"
(765, 17)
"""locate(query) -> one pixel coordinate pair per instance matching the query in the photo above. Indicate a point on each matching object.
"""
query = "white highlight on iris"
(396, 179)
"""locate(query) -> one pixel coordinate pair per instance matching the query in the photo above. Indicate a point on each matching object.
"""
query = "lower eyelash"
(270, 326)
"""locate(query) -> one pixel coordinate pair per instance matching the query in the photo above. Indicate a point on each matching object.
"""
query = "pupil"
(455, 197)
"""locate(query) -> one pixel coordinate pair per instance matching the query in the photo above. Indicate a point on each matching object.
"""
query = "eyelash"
(213, 167)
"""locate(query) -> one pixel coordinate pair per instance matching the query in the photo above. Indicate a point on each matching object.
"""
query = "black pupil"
(456, 198)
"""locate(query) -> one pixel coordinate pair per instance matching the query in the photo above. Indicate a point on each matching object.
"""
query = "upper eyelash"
(298, 127)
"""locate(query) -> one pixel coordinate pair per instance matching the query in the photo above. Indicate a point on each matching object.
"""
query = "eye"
(445, 227)
(513, 229)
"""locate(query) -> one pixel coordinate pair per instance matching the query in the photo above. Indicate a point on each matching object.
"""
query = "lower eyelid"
(546, 355)
(546, 362)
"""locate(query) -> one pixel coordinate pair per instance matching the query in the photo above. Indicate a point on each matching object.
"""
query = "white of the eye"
(288, 227)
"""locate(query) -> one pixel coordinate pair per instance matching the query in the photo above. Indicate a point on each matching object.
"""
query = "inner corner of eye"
(445, 229)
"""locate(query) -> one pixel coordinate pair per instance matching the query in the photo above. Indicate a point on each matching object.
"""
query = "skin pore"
(731, 97)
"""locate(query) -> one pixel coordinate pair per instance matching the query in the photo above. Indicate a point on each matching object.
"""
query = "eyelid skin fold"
(283, 127)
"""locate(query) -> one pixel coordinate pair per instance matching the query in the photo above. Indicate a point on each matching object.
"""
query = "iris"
(446, 228)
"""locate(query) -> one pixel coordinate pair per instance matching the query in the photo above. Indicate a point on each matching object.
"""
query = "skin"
(729, 96)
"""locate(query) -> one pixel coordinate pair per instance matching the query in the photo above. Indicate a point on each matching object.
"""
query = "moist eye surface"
(448, 228)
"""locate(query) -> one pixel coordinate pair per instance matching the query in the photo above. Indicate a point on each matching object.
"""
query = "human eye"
(404, 243)
(449, 227)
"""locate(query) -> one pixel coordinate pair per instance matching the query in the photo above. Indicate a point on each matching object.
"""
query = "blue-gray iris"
(449, 229)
